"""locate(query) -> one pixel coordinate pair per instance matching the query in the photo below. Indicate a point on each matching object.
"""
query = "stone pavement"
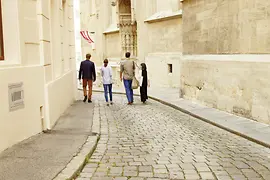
(250, 129)
(43, 156)
(154, 142)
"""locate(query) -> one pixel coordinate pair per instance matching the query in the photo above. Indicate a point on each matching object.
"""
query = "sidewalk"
(43, 156)
(247, 128)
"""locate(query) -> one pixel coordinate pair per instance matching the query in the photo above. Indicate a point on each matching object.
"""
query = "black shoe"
(85, 98)
(89, 101)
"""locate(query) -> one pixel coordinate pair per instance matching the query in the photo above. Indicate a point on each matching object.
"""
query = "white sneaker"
(107, 104)
(111, 103)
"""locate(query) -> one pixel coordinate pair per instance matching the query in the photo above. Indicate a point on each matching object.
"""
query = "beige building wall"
(63, 59)
(95, 19)
(38, 47)
(226, 27)
(227, 58)
(164, 50)
(112, 41)
(159, 29)
(88, 18)
(159, 37)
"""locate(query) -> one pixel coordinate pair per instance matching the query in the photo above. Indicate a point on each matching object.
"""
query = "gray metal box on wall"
(16, 96)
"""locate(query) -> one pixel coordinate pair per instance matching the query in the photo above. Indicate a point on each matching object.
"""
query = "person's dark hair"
(105, 61)
(127, 54)
(88, 56)
(144, 68)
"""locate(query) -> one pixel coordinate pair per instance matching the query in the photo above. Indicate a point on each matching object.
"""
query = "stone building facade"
(37, 66)
(215, 52)
(226, 56)
(150, 30)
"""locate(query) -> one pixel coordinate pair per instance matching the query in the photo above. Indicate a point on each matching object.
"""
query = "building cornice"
(111, 29)
(163, 16)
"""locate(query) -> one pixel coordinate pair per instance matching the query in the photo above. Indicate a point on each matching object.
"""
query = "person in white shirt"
(106, 73)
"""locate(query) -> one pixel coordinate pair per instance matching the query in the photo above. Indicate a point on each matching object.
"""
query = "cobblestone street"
(154, 141)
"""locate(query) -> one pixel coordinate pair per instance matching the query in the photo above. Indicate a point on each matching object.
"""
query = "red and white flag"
(86, 36)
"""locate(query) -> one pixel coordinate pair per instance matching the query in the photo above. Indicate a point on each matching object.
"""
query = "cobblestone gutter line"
(201, 118)
(94, 161)
(77, 163)
(96, 120)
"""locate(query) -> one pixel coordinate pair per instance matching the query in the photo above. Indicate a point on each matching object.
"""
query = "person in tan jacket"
(127, 72)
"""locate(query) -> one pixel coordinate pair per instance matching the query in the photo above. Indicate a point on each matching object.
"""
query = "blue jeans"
(129, 90)
(107, 87)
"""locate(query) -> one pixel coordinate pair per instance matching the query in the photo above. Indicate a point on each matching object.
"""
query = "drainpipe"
(47, 125)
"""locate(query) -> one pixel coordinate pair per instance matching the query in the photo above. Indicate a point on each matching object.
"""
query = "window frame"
(1, 34)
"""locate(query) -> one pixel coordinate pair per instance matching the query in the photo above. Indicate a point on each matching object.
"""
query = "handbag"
(135, 83)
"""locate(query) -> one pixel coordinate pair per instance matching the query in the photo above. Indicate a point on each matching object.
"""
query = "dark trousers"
(143, 92)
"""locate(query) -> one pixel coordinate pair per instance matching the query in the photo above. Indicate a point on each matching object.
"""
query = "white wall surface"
(48, 78)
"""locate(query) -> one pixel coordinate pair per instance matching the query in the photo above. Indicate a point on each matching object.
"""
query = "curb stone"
(213, 123)
(96, 120)
(102, 144)
(78, 161)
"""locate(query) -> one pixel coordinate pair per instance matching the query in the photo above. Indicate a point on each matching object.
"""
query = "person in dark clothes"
(88, 74)
(144, 83)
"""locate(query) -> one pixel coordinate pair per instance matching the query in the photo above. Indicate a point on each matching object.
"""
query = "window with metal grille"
(16, 96)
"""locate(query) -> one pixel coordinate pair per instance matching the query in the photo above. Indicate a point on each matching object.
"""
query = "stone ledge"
(163, 16)
(96, 120)
(111, 29)
(164, 54)
(228, 57)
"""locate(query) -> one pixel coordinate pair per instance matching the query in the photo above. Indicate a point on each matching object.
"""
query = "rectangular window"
(1, 35)
(169, 68)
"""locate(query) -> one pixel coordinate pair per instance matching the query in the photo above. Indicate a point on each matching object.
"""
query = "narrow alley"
(201, 66)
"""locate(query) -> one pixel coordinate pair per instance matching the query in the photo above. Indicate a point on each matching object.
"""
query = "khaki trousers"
(89, 83)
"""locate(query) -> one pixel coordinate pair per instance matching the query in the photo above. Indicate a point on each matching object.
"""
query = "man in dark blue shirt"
(88, 74)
